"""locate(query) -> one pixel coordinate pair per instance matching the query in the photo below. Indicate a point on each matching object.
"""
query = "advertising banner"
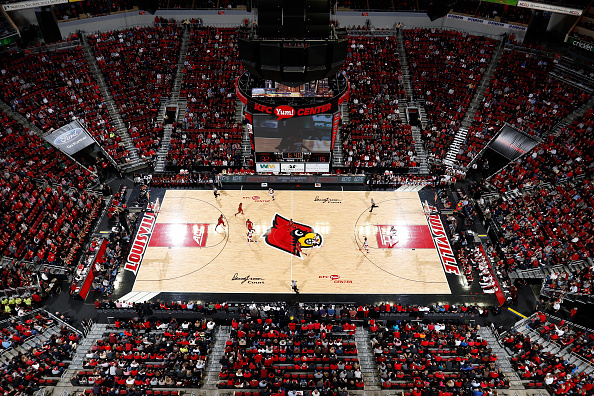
(311, 167)
(487, 22)
(580, 44)
(328, 179)
(268, 167)
(293, 167)
(31, 4)
(549, 8)
(70, 138)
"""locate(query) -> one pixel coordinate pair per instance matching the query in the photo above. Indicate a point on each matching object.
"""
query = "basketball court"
(187, 253)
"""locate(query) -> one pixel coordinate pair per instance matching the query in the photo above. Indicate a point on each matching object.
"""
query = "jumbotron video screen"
(308, 134)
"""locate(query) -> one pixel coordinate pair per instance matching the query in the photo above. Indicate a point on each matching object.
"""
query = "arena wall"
(379, 20)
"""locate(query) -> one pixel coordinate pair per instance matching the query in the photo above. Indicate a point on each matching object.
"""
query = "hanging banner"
(71, 138)
(549, 8)
(31, 4)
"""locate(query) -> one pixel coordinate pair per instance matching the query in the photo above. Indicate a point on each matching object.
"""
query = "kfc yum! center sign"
(285, 111)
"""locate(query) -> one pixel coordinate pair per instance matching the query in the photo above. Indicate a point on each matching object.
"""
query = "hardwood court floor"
(187, 254)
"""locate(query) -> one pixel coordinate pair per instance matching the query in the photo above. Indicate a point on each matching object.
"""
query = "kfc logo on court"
(334, 278)
(257, 198)
(284, 111)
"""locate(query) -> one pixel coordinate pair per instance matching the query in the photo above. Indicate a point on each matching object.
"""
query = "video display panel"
(309, 134)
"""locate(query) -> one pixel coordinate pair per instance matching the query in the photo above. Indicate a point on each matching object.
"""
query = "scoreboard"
(292, 157)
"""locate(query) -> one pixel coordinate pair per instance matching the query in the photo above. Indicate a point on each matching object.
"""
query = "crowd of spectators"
(90, 8)
(44, 225)
(446, 68)
(209, 135)
(545, 369)
(299, 355)
(182, 179)
(375, 137)
(29, 369)
(568, 282)
(544, 227)
(449, 356)
(560, 157)
(528, 99)
(584, 345)
(26, 154)
(145, 354)
(139, 66)
(52, 87)
(17, 276)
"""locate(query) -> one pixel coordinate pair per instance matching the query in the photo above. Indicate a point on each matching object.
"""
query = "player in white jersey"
(250, 236)
(393, 237)
(365, 244)
(271, 192)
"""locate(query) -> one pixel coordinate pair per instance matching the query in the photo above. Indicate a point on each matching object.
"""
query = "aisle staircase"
(460, 138)
(564, 351)
(174, 99)
(404, 67)
(420, 149)
(95, 333)
(570, 118)
(503, 359)
(421, 153)
(114, 114)
(213, 367)
(367, 360)
(338, 151)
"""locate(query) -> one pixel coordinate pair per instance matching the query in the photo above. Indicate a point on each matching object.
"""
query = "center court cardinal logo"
(285, 237)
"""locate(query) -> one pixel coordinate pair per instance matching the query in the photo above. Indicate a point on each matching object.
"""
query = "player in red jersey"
(221, 222)
(298, 250)
(239, 209)
(249, 225)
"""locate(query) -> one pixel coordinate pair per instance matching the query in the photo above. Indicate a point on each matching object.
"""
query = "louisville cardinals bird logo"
(286, 235)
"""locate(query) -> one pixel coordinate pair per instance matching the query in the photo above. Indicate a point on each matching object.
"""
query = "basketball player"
(249, 225)
(220, 222)
(373, 205)
(239, 209)
(294, 286)
(365, 245)
(298, 250)
(393, 237)
(215, 191)
(250, 236)
(290, 225)
(271, 192)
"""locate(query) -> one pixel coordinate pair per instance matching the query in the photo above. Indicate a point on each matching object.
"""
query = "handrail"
(63, 323)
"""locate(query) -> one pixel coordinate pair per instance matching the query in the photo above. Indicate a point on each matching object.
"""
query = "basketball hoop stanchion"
(154, 207)
(427, 209)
